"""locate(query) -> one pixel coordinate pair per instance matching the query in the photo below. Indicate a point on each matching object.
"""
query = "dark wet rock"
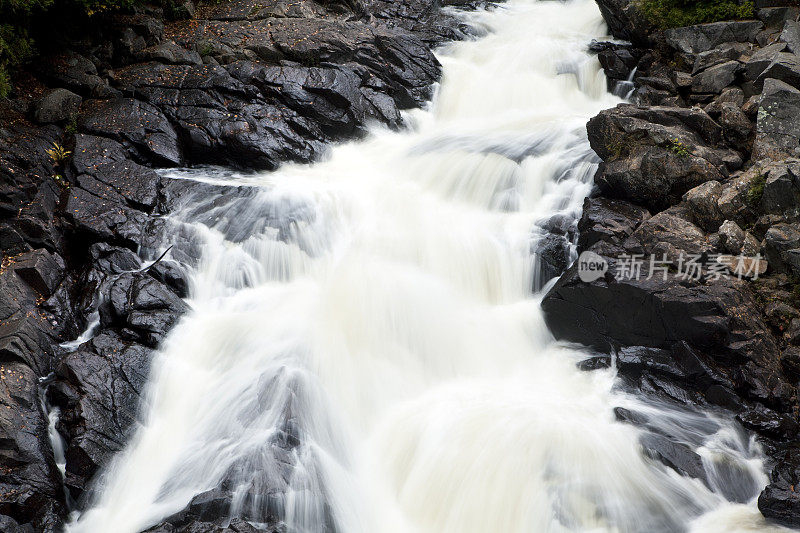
(652, 156)
(617, 60)
(236, 525)
(625, 21)
(703, 202)
(57, 105)
(172, 53)
(767, 422)
(606, 224)
(692, 40)
(135, 124)
(30, 483)
(140, 303)
(103, 219)
(716, 78)
(782, 246)
(782, 188)
(668, 235)
(74, 72)
(777, 128)
(711, 318)
(41, 270)
(98, 388)
(27, 333)
(675, 455)
(780, 500)
(553, 253)
(171, 274)
(595, 363)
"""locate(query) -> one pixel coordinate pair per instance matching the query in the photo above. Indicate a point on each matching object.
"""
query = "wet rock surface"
(702, 164)
(241, 83)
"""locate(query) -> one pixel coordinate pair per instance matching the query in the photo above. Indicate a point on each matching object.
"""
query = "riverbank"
(702, 167)
(245, 84)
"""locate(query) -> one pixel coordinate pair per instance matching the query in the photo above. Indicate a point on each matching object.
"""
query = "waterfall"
(364, 353)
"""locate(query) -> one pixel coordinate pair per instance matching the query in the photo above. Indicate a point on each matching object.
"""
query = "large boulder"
(625, 21)
(693, 40)
(137, 125)
(714, 319)
(777, 127)
(98, 390)
(652, 156)
(57, 105)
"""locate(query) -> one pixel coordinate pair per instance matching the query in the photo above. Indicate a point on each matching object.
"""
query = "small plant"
(58, 154)
(678, 148)
(756, 190)
(72, 125)
(205, 49)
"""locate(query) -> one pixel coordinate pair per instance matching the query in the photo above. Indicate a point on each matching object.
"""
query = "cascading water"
(364, 353)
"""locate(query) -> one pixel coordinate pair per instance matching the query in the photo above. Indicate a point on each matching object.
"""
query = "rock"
(136, 125)
(739, 196)
(703, 204)
(784, 67)
(617, 60)
(791, 35)
(782, 244)
(731, 95)
(552, 254)
(722, 54)
(172, 53)
(41, 270)
(606, 224)
(625, 21)
(666, 234)
(716, 78)
(30, 484)
(777, 127)
(653, 156)
(675, 455)
(761, 59)
(98, 389)
(142, 304)
(793, 336)
(731, 237)
(692, 40)
(780, 501)
(736, 127)
(769, 423)
(57, 105)
(782, 188)
(595, 363)
(98, 219)
(711, 318)
(775, 17)
(76, 73)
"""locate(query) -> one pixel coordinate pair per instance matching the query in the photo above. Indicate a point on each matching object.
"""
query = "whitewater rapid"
(365, 353)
